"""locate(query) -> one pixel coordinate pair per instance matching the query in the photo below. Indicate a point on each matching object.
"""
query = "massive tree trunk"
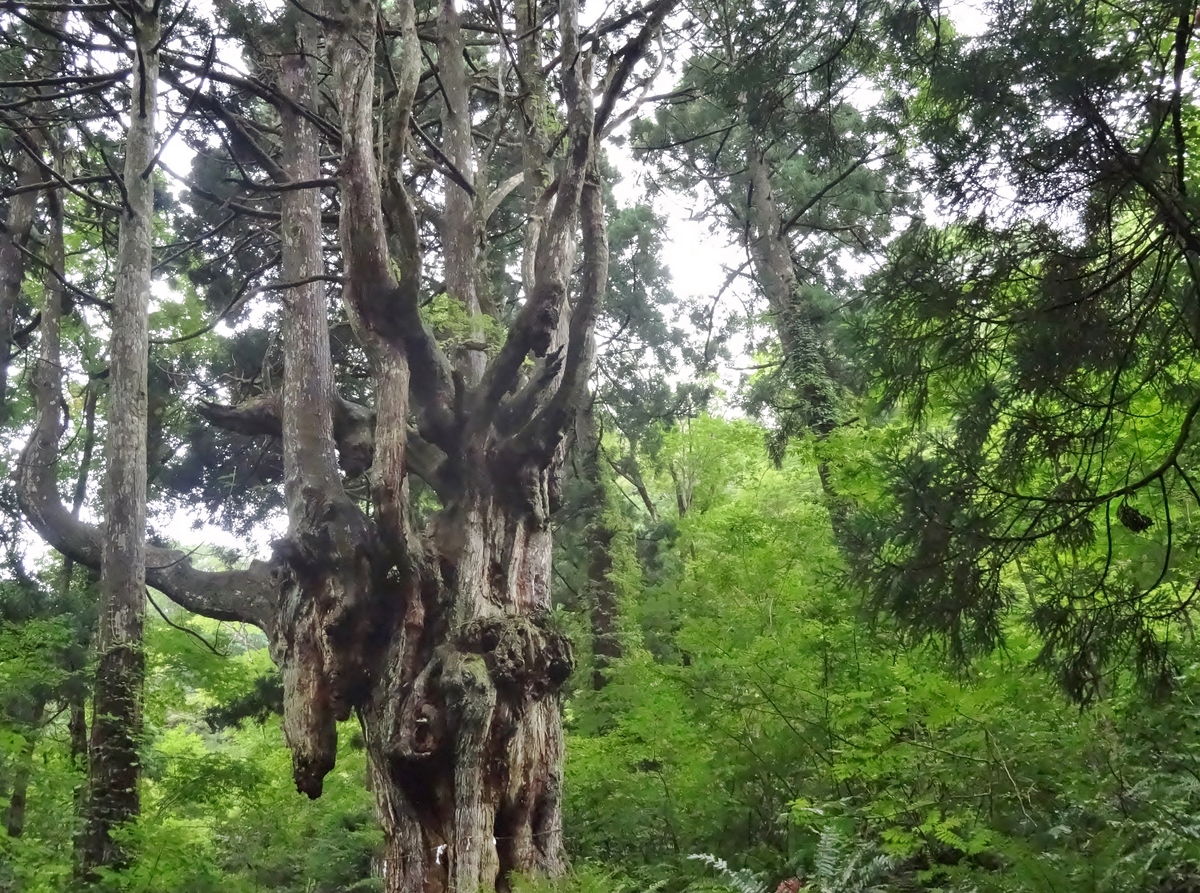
(438, 641)
(468, 765)
(114, 764)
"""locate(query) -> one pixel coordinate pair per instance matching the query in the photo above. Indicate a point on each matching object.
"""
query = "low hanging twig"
(183, 629)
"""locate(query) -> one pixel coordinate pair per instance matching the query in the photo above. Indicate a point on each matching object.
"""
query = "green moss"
(453, 326)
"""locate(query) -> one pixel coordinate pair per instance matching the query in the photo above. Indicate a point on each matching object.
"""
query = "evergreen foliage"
(1041, 339)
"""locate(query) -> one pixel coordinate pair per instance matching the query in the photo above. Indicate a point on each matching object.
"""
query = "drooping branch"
(252, 85)
(239, 595)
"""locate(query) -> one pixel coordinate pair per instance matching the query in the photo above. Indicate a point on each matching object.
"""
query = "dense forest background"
(876, 556)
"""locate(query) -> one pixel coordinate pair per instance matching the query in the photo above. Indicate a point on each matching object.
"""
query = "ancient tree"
(390, 153)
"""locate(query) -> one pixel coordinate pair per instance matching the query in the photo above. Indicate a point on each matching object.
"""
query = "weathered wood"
(439, 640)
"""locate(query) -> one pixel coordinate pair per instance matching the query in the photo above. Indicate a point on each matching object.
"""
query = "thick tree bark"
(324, 638)
(439, 642)
(114, 765)
(461, 711)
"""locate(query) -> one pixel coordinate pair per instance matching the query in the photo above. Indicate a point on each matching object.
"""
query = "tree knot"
(521, 653)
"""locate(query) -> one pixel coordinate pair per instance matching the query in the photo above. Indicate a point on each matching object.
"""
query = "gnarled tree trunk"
(439, 641)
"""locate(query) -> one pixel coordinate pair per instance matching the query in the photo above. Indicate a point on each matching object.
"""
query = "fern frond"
(741, 880)
(843, 865)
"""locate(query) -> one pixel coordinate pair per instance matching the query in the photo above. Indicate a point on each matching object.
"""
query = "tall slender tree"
(768, 125)
(113, 759)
